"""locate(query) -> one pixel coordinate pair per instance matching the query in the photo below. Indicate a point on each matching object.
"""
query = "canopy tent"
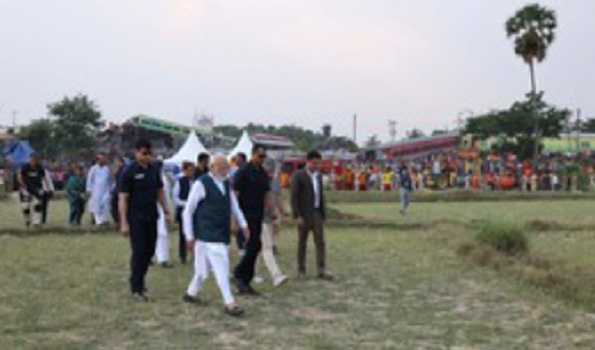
(188, 152)
(244, 145)
(18, 153)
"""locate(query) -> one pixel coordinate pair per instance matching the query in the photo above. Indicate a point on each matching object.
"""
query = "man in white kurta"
(162, 245)
(206, 219)
(99, 185)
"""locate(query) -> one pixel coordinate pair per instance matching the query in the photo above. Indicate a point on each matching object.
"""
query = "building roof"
(269, 140)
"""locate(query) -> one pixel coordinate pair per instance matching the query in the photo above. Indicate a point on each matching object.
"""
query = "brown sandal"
(234, 311)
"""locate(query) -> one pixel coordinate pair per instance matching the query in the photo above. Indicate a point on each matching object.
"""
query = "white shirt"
(179, 202)
(315, 184)
(197, 195)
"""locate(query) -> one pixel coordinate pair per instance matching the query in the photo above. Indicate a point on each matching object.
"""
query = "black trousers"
(45, 199)
(114, 208)
(77, 208)
(245, 269)
(183, 252)
(143, 237)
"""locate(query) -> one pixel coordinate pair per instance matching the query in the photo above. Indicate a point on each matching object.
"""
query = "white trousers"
(100, 208)
(267, 251)
(214, 257)
(162, 246)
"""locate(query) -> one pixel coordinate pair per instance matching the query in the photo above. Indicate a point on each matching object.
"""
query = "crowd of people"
(451, 170)
(214, 201)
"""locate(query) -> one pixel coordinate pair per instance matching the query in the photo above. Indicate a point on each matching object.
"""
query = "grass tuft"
(505, 238)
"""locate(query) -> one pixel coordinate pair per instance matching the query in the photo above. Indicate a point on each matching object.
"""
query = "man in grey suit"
(308, 207)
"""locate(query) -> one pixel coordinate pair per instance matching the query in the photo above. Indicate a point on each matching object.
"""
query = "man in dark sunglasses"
(252, 186)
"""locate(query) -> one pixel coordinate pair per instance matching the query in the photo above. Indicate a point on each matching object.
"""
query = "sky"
(308, 62)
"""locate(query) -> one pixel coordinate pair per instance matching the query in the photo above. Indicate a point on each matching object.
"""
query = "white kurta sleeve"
(91, 178)
(197, 194)
(236, 211)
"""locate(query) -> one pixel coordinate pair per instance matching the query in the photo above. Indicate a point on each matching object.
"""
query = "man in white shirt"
(99, 185)
(206, 219)
(180, 196)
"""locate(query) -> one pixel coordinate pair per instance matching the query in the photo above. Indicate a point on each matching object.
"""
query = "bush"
(504, 238)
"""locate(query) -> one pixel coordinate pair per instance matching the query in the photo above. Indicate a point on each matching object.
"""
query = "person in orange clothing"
(349, 180)
(362, 179)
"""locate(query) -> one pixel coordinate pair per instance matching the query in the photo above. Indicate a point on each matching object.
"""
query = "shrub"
(507, 239)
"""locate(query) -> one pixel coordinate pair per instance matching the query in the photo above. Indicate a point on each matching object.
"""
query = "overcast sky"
(306, 62)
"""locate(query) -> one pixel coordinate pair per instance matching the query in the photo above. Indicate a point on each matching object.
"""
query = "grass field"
(397, 287)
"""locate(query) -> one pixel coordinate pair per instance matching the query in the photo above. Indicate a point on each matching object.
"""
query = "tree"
(415, 134)
(41, 134)
(513, 128)
(532, 28)
(588, 126)
(77, 121)
(372, 141)
(326, 130)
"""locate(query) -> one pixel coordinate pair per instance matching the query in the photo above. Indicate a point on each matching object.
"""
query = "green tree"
(533, 29)
(513, 128)
(415, 134)
(372, 141)
(41, 134)
(77, 121)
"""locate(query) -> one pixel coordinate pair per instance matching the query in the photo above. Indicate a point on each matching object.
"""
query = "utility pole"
(355, 128)
(392, 130)
(14, 119)
(578, 130)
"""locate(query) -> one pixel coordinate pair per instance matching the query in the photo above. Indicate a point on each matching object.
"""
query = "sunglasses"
(146, 153)
(262, 156)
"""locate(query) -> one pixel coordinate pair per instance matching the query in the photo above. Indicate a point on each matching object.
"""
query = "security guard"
(141, 188)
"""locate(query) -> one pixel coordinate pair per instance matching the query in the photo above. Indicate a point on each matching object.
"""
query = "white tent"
(244, 145)
(189, 151)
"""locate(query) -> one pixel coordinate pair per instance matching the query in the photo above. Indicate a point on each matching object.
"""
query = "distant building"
(413, 148)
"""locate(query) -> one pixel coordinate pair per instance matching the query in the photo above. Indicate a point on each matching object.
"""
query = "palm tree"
(532, 28)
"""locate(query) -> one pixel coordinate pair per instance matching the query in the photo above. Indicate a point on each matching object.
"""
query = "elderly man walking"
(206, 219)
(307, 204)
(99, 185)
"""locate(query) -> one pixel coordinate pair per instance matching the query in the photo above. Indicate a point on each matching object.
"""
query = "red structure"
(419, 147)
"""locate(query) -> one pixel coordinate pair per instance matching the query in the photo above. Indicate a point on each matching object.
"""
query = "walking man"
(180, 195)
(76, 195)
(308, 206)
(32, 181)
(119, 165)
(141, 189)
(99, 184)
(206, 217)
(251, 183)
(405, 188)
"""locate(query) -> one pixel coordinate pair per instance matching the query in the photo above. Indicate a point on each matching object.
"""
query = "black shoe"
(325, 276)
(166, 265)
(192, 300)
(140, 297)
(251, 292)
(244, 289)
